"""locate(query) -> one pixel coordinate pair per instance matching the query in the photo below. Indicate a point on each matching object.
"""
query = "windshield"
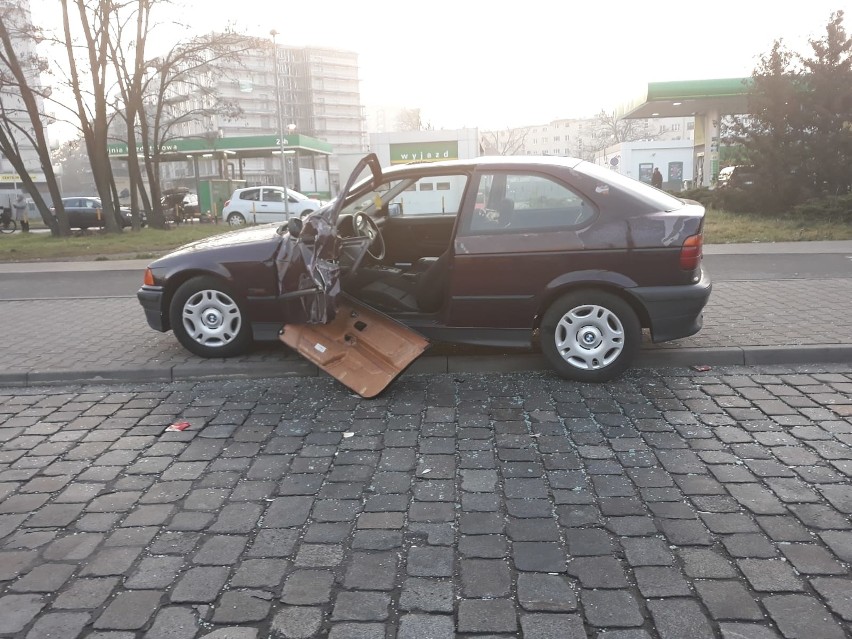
(655, 197)
(376, 199)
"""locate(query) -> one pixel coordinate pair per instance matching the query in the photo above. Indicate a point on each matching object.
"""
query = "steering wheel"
(365, 226)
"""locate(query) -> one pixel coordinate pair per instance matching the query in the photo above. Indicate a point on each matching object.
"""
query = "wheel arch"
(614, 283)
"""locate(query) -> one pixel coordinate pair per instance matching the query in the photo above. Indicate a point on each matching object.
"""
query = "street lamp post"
(280, 115)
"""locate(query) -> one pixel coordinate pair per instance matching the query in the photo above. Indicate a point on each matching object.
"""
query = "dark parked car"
(490, 251)
(179, 205)
(736, 177)
(87, 212)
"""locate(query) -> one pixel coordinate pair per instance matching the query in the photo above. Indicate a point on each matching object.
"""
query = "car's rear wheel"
(590, 335)
(209, 319)
(236, 219)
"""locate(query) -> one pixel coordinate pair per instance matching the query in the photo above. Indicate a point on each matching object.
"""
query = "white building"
(674, 159)
(577, 137)
(17, 20)
(404, 147)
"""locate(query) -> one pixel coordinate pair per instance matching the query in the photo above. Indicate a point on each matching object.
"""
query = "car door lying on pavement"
(358, 346)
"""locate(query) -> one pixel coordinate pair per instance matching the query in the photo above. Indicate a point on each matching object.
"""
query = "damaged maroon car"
(497, 251)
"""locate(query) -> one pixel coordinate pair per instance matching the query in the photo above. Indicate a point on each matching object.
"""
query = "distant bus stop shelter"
(707, 100)
(309, 154)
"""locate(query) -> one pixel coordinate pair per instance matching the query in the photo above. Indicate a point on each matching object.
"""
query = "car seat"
(505, 211)
(421, 289)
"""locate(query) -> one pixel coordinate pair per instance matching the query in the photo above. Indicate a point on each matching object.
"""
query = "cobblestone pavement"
(670, 504)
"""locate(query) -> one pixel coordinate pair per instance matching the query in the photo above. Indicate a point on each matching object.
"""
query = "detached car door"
(353, 343)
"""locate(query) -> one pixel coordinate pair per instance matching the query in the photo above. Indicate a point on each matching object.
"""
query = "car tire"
(590, 335)
(209, 319)
(236, 219)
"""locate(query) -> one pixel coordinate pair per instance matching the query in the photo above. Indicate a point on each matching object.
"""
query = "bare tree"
(130, 74)
(76, 171)
(409, 120)
(93, 19)
(612, 129)
(509, 142)
(21, 100)
(194, 64)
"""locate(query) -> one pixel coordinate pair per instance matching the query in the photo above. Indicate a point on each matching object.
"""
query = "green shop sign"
(404, 153)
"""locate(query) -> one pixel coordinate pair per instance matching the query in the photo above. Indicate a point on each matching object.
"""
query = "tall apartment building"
(17, 19)
(320, 95)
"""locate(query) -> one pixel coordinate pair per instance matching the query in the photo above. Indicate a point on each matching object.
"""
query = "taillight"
(227, 202)
(690, 252)
(148, 280)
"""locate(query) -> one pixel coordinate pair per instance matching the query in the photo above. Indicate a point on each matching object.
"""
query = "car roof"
(490, 161)
(264, 186)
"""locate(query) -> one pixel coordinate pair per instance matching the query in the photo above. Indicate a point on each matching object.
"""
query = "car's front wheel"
(236, 219)
(590, 336)
(209, 319)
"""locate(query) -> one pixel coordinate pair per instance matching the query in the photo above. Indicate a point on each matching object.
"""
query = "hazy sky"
(497, 64)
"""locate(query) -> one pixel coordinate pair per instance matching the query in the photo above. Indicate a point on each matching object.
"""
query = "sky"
(492, 65)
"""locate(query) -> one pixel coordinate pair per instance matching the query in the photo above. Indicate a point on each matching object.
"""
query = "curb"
(653, 357)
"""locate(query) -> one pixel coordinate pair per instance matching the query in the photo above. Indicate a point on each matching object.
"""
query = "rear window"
(660, 200)
(250, 194)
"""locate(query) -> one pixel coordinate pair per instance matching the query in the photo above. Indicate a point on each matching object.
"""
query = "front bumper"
(151, 299)
(675, 311)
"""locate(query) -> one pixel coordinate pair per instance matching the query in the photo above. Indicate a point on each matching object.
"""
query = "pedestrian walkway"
(746, 322)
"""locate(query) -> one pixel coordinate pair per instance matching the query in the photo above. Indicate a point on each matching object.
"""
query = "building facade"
(320, 98)
(673, 158)
(578, 137)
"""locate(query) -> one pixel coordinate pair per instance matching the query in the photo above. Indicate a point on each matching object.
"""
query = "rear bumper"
(675, 311)
(151, 299)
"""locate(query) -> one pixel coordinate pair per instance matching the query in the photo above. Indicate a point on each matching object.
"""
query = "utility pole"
(281, 138)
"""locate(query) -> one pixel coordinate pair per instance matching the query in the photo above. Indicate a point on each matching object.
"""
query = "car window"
(516, 202)
(250, 194)
(416, 195)
(660, 200)
(272, 195)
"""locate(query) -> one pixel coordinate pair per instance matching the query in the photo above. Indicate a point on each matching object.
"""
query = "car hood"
(248, 235)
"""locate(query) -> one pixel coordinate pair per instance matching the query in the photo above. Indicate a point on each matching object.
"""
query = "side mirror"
(294, 226)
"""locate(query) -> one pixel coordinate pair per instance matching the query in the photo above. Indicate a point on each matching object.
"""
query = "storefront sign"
(405, 152)
(11, 178)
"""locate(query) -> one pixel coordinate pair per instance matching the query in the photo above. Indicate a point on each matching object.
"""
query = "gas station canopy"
(240, 146)
(688, 98)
